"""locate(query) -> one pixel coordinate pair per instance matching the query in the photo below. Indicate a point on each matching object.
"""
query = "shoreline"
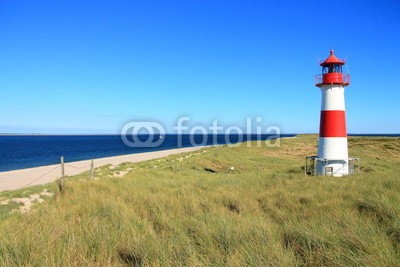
(22, 178)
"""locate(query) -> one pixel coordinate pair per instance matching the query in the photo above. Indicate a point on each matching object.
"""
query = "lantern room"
(332, 72)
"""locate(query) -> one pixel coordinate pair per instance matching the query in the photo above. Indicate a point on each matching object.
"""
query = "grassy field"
(193, 210)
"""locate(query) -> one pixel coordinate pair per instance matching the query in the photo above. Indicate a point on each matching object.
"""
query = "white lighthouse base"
(332, 156)
(332, 167)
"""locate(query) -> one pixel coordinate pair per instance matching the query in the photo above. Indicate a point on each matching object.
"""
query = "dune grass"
(193, 210)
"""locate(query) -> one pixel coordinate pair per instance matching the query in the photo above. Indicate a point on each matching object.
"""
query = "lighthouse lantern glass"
(332, 68)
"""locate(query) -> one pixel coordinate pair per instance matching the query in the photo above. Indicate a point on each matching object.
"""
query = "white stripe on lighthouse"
(332, 97)
(333, 148)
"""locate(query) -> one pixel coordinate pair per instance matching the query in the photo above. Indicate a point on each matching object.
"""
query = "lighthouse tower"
(333, 157)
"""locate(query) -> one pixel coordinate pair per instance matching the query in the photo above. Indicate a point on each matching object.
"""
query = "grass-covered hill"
(194, 210)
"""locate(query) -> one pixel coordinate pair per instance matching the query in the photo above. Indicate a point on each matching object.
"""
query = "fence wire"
(79, 168)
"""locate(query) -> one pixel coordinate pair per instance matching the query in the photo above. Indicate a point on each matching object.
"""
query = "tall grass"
(195, 211)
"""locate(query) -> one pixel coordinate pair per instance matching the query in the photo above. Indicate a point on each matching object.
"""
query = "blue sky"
(92, 66)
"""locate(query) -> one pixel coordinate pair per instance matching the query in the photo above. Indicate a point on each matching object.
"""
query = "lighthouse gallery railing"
(319, 78)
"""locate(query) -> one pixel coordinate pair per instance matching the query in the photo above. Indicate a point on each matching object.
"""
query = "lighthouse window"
(338, 68)
(333, 68)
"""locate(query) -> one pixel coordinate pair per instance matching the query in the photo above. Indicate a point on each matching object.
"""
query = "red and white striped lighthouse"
(333, 157)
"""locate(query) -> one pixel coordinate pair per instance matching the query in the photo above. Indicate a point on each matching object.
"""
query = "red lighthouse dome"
(332, 72)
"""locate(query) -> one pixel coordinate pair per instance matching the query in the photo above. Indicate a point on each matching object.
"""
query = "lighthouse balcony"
(332, 78)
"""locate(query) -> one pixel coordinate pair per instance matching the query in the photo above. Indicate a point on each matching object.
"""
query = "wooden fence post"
(61, 184)
(91, 169)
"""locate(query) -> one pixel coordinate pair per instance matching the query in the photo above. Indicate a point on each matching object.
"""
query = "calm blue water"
(20, 151)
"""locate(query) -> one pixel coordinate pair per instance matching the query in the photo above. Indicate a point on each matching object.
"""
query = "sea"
(27, 151)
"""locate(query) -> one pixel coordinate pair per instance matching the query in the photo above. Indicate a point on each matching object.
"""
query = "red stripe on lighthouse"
(333, 123)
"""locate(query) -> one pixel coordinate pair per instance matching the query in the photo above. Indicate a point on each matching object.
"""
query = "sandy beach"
(16, 179)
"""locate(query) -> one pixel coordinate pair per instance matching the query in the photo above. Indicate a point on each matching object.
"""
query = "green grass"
(7, 210)
(24, 192)
(197, 212)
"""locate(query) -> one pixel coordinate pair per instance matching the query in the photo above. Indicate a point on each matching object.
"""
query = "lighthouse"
(333, 157)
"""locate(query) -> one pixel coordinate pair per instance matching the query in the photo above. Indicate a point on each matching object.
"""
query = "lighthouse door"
(329, 170)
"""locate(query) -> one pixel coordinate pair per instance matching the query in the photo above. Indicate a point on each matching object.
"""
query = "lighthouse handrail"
(346, 78)
(330, 159)
(319, 78)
